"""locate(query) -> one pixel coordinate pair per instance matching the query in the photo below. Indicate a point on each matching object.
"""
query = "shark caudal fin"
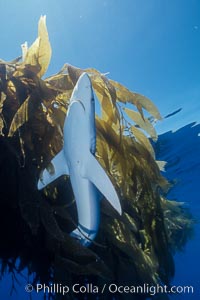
(94, 172)
(56, 168)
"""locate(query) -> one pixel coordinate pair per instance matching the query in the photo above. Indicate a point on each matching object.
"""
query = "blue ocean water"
(181, 149)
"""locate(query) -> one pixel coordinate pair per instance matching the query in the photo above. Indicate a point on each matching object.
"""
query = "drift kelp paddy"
(134, 248)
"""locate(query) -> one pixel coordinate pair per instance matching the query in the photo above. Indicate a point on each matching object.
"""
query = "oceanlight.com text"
(112, 288)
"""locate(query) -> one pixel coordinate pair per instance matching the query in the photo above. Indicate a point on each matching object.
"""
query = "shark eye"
(92, 99)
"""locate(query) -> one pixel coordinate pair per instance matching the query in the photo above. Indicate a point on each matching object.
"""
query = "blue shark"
(77, 159)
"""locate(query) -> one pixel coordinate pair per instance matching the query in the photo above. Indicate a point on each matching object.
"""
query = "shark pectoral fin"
(56, 168)
(94, 172)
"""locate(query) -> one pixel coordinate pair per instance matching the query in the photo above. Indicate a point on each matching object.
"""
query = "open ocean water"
(181, 149)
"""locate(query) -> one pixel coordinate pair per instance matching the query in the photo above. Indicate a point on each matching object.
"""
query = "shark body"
(77, 159)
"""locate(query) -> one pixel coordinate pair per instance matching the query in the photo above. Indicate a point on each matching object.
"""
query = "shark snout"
(82, 92)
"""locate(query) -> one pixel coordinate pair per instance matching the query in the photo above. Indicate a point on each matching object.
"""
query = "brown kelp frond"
(32, 114)
(178, 222)
(140, 101)
(38, 56)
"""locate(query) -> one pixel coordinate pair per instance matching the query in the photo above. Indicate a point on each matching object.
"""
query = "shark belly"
(79, 134)
(88, 207)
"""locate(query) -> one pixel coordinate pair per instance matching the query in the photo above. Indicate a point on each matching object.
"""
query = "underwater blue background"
(181, 150)
(153, 48)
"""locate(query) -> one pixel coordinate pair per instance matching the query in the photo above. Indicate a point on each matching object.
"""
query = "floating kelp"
(132, 249)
